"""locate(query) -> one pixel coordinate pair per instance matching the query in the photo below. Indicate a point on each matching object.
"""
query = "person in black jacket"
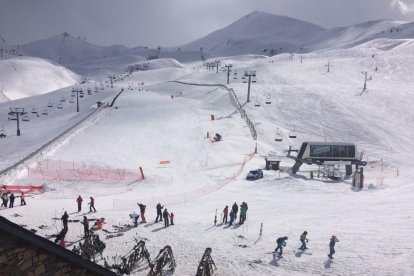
(235, 209)
(142, 208)
(65, 218)
(12, 197)
(159, 211)
(281, 242)
(166, 216)
(85, 223)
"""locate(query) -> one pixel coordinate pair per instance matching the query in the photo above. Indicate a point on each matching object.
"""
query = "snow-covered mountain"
(259, 32)
(67, 49)
(22, 77)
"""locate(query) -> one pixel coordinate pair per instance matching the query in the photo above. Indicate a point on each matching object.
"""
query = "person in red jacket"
(79, 201)
(225, 214)
(172, 218)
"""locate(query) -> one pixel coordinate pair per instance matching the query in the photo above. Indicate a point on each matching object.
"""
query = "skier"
(332, 246)
(12, 197)
(235, 209)
(92, 205)
(172, 218)
(232, 217)
(165, 214)
(85, 223)
(281, 242)
(5, 199)
(61, 238)
(64, 219)
(303, 240)
(159, 211)
(142, 208)
(98, 225)
(243, 211)
(22, 199)
(2, 192)
(225, 214)
(79, 201)
(135, 217)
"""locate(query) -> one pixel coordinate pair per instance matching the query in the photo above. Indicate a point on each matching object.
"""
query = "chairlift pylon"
(279, 136)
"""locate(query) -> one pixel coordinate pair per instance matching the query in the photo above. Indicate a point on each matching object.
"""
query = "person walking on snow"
(225, 214)
(135, 217)
(172, 218)
(22, 199)
(235, 209)
(231, 217)
(85, 223)
(5, 199)
(166, 215)
(92, 205)
(281, 242)
(142, 208)
(159, 211)
(332, 246)
(65, 218)
(79, 201)
(303, 240)
(12, 197)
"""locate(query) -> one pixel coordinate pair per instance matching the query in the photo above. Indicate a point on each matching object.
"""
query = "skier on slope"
(332, 246)
(64, 219)
(79, 202)
(5, 199)
(159, 211)
(92, 205)
(225, 214)
(303, 240)
(12, 197)
(22, 199)
(232, 217)
(142, 208)
(281, 242)
(235, 209)
(85, 223)
(243, 211)
(166, 216)
(135, 217)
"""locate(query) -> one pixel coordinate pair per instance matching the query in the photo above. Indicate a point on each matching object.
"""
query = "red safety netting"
(22, 189)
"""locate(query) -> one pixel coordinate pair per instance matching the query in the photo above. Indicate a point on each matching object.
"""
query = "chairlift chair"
(44, 112)
(279, 136)
(34, 110)
(292, 133)
(234, 78)
(25, 118)
(59, 106)
(254, 80)
(12, 117)
(71, 100)
(63, 99)
(81, 96)
(50, 104)
(89, 91)
(268, 100)
(257, 103)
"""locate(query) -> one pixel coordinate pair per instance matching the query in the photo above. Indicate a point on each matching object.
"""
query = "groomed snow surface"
(148, 126)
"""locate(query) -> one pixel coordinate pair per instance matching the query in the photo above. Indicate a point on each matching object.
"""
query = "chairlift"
(34, 110)
(96, 89)
(292, 133)
(44, 112)
(50, 104)
(268, 100)
(81, 95)
(25, 118)
(235, 73)
(254, 80)
(257, 103)
(63, 99)
(12, 117)
(234, 78)
(71, 100)
(279, 136)
(59, 106)
(244, 81)
(89, 91)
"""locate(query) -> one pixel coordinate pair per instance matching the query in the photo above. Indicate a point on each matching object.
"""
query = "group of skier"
(91, 204)
(168, 217)
(233, 213)
(281, 242)
(9, 197)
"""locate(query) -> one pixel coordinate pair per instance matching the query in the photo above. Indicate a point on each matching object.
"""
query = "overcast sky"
(174, 22)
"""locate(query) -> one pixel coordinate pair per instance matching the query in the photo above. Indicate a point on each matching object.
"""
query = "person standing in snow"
(172, 218)
(22, 199)
(142, 208)
(225, 214)
(166, 215)
(2, 192)
(159, 211)
(61, 237)
(135, 217)
(79, 201)
(332, 246)
(243, 211)
(5, 199)
(303, 240)
(12, 197)
(92, 205)
(65, 219)
(85, 223)
(235, 209)
(232, 217)
(281, 242)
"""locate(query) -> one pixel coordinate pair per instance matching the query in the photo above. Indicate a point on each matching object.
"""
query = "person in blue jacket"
(232, 217)
(332, 246)
(281, 242)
